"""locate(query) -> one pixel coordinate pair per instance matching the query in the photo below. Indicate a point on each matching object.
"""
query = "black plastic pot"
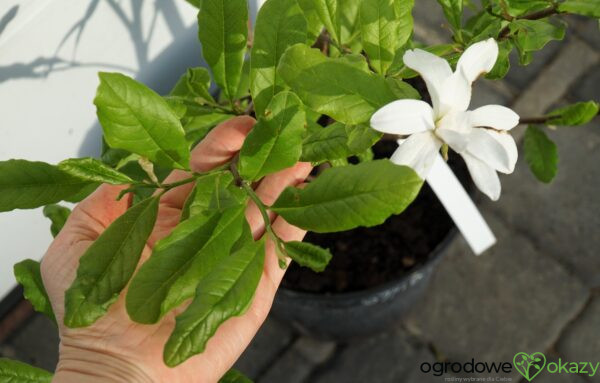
(361, 313)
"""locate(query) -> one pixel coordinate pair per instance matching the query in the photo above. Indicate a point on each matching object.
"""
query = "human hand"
(117, 349)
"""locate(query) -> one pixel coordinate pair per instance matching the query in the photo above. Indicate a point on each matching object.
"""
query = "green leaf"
(575, 114)
(519, 7)
(339, 17)
(349, 28)
(339, 162)
(176, 106)
(483, 26)
(361, 137)
(224, 293)
(502, 65)
(244, 86)
(27, 185)
(308, 255)
(589, 8)
(91, 169)
(12, 371)
(541, 154)
(137, 119)
(366, 156)
(180, 260)
(347, 197)
(338, 141)
(234, 376)
(215, 191)
(198, 126)
(223, 32)
(326, 144)
(336, 87)
(275, 142)
(453, 12)
(194, 84)
(313, 21)
(83, 193)
(328, 13)
(108, 264)
(28, 274)
(385, 26)
(279, 25)
(402, 90)
(533, 35)
(58, 216)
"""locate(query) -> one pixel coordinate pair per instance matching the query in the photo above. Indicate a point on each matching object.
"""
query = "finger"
(95, 213)
(269, 190)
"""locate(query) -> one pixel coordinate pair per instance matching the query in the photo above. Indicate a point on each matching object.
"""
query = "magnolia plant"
(325, 80)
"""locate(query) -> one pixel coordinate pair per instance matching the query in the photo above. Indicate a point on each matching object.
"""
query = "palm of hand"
(135, 350)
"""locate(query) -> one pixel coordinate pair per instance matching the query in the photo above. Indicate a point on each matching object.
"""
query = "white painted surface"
(48, 82)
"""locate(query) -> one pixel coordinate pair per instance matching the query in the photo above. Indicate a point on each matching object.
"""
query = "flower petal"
(478, 58)
(434, 70)
(484, 177)
(418, 151)
(403, 117)
(455, 94)
(509, 144)
(494, 116)
(454, 129)
(497, 150)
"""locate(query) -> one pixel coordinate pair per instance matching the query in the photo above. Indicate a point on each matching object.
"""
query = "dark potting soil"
(367, 257)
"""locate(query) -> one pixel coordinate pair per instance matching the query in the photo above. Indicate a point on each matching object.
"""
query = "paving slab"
(298, 361)
(270, 341)
(562, 217)
(35, 343)
(573, 61)
(513, 298)
(520, 76)
(580, 342)
(587, 87)
(387, 358)
(485, 92)
(430, 25)
(586, 28)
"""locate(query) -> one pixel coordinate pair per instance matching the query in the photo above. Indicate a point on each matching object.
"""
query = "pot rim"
(434, 257)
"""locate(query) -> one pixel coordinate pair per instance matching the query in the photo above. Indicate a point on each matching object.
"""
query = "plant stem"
(249, 108)
(279, 243)
(534, 120)
(173, 185)
(261, 206)
(505, 32)
(216, 106)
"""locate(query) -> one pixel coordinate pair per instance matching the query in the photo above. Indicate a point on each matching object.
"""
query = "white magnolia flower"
(479, 136)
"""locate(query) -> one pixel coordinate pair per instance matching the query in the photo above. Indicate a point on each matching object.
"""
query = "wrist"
(83, 365)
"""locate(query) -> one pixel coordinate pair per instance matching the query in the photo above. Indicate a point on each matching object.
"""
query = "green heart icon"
(529, 365)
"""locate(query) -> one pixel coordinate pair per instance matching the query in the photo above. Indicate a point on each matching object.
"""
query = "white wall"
(50, 53)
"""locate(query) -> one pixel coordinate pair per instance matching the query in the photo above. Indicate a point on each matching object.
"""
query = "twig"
(505, 32)
(535, 120)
